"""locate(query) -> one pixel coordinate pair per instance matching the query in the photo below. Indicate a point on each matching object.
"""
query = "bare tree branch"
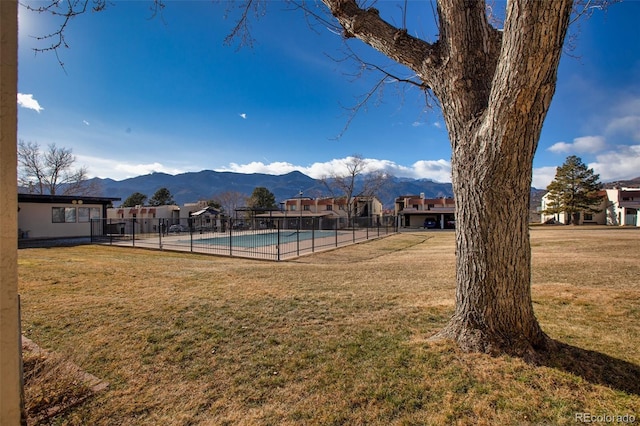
(242, 30)
(50, 172)
(66, 10)
(354, 181)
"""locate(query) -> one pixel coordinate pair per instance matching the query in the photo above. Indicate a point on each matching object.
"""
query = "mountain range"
(206, 184)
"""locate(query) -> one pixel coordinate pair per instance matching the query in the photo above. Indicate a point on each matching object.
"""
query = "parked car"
(178, 228)
(430, 224)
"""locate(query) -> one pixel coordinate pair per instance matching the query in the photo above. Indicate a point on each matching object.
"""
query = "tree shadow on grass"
(594, 367)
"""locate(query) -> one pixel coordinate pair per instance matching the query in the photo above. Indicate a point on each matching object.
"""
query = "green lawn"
(339, 337)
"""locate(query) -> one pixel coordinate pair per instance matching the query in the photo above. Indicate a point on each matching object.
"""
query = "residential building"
(619, 206)
(327, 209)
(586, 218)
(363, 207)
(200, 216)
(59, 216)
(416, 211)
(622, 206)
(142, 219)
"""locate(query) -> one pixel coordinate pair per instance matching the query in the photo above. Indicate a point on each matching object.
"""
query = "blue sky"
(139, 94)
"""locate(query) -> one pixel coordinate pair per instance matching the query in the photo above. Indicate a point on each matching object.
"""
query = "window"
(85, 214)
(329, 207)
(293, 208)
(588, 216)
(63, 214)
(306, 208)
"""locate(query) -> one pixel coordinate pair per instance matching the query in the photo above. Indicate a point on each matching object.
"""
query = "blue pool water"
(261, 240)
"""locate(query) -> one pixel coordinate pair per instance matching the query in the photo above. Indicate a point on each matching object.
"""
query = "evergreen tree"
(574, 190)
(135, 199)
(162, 197)
(262, 198)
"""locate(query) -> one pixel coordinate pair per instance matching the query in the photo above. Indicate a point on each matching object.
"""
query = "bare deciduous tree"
(354, 181)
(51, 171)
(229, 201)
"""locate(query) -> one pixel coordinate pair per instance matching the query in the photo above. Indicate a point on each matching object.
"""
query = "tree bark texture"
(495, 88)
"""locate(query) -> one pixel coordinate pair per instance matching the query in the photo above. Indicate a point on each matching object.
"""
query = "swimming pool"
(262, 239)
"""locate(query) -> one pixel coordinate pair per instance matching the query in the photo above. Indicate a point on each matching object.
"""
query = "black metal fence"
(264, 238)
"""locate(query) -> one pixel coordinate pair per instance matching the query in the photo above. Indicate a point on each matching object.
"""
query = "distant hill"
(204, 185)
(631, 183)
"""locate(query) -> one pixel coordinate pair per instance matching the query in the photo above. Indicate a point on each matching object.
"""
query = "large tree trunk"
(492, 157)
(495, 88)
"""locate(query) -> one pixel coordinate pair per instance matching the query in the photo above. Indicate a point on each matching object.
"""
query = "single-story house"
(200, 216)
(59, 216)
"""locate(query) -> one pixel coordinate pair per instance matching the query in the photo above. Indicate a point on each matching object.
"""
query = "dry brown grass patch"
(334, 338)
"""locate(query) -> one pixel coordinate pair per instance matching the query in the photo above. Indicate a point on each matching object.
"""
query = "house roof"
(66, 199)
(208, 210)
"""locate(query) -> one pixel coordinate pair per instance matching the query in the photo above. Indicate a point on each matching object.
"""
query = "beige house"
(120, 220)
(416, 211)
(622, 206)
(152, 219)
(363, 207)
(586, 218)
(59, 216)
(619, 206)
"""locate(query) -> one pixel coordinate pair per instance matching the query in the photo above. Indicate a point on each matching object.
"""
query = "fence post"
(230, 237)
(298, 235)
(313, 234)
(278, 245)
(189, 225)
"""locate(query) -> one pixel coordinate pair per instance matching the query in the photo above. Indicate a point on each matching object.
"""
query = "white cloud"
(243, 115)
(559, 147)
(542, 176)
(27, 101)
(627, 126)
(438, 170)
(118, 170)
(623, 163)
(584, 144)
(85, 122)
(276, 168)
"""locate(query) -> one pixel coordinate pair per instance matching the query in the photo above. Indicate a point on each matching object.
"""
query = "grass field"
(340, 337)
